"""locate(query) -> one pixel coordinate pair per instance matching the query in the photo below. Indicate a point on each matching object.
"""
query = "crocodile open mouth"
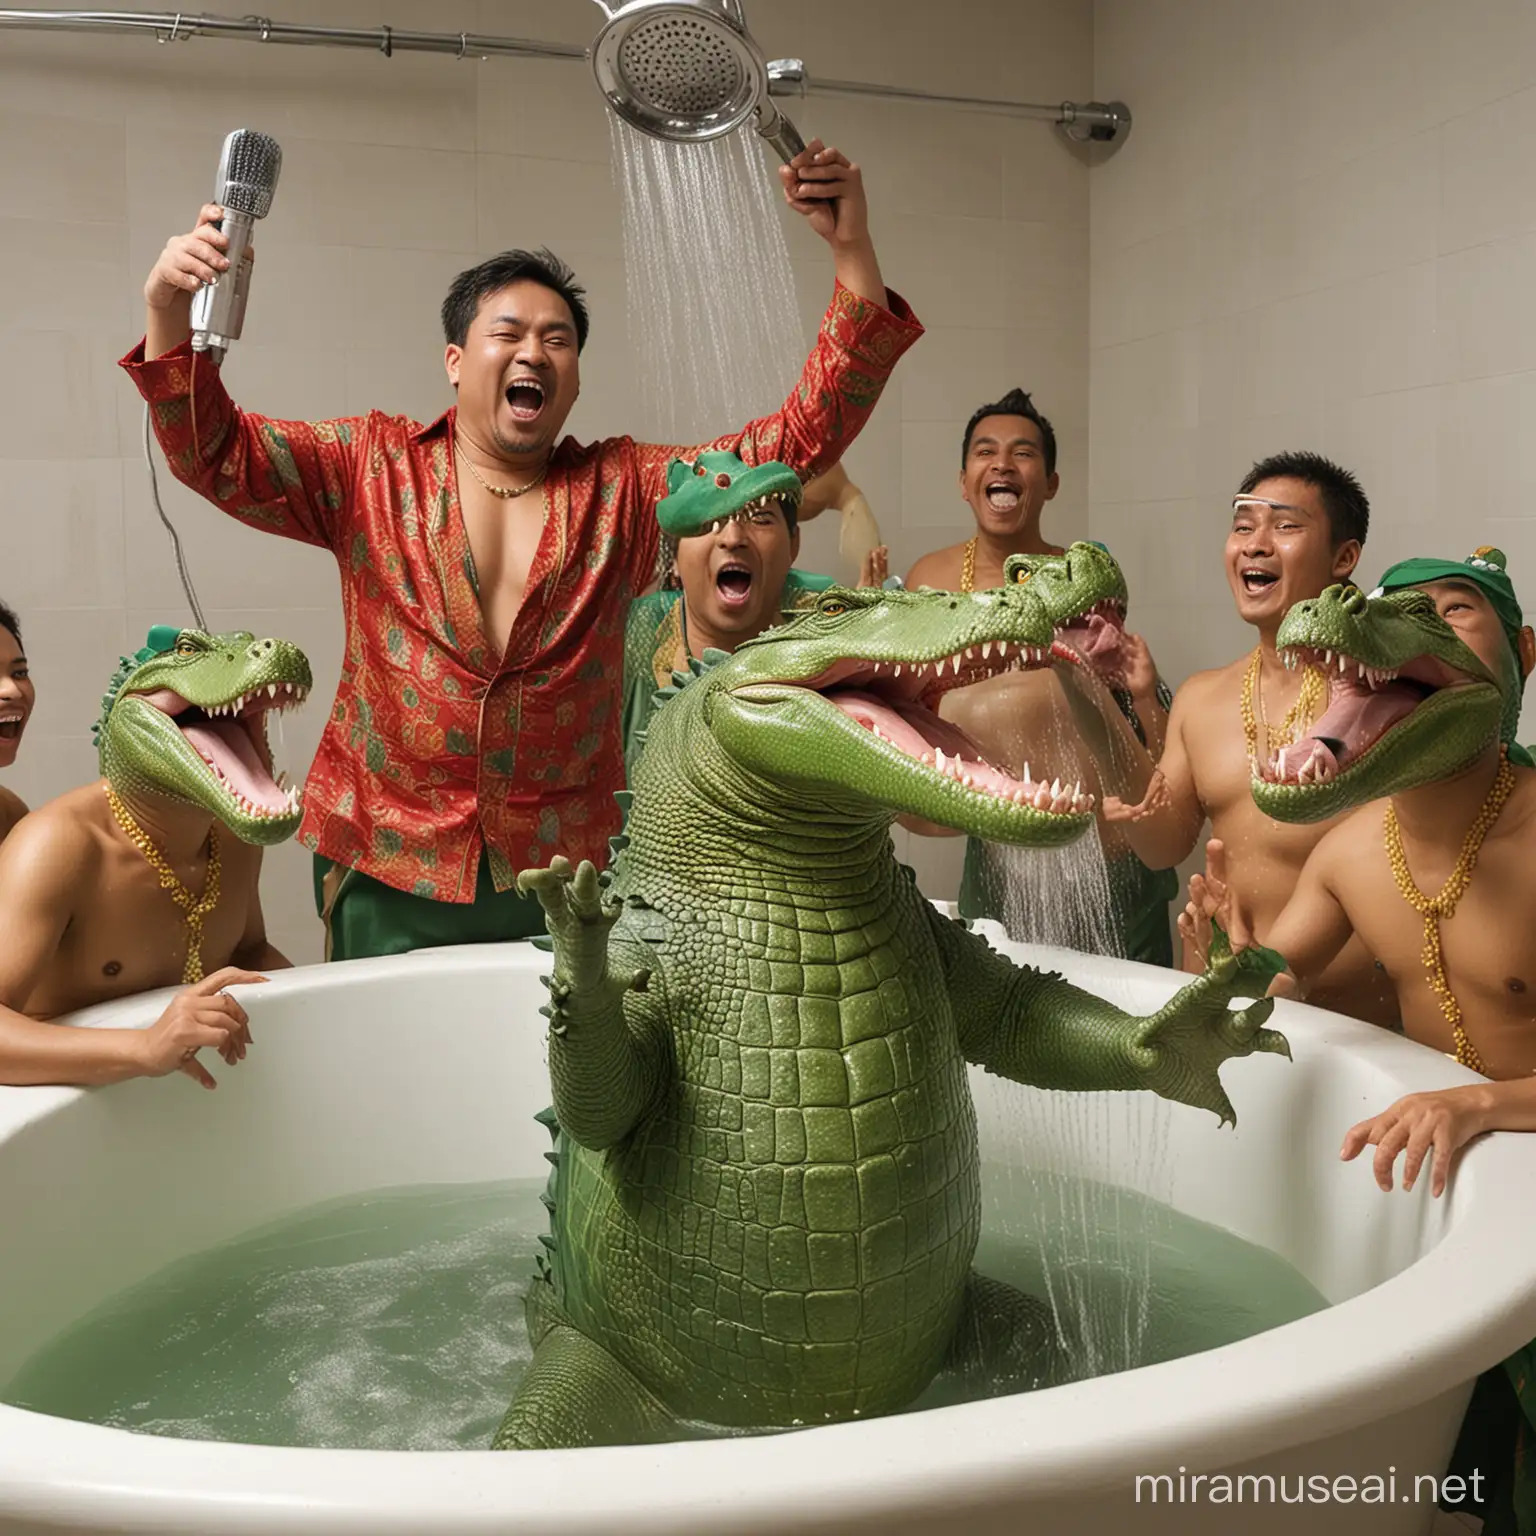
(1365, 704)
(897, 702)
(231, 739)
(1095, 639)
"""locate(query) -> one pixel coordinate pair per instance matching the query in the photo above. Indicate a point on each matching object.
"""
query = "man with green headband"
(148, 877)
(730, 535)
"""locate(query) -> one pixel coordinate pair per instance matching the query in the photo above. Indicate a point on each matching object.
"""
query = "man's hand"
(198, 1016)
(1437, 1125)
(1211, 900)
(189, 261)
(1140, 669)
(875, 567)
(1156, 799)
(828, 189)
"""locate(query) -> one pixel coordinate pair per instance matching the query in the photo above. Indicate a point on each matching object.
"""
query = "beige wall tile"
(61, 526)
(1485, 320)
(56, 396)
(1489, 187)
(398, 173)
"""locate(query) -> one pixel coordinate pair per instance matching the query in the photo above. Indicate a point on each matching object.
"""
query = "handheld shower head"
(686, 71)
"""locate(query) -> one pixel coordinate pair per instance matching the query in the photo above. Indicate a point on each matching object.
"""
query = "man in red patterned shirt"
(487, 567)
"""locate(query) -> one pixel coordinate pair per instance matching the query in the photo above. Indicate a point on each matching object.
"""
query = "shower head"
(686, 71)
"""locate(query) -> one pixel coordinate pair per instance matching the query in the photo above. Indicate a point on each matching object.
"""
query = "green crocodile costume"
(186, 716)
(1085, 593)
(765, 1192)
(1408, 703)
(657, 623)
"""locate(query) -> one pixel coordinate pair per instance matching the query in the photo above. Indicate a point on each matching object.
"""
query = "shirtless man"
(1479, 1006)
(17, 697)
(1298, 524)
(1007, 474)
(89, 915)
(1349, 888)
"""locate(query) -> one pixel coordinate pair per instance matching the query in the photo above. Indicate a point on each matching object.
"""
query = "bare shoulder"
(940, 568)
(1340, 849)
(1201, 690)
(12, 809)
(54, 846)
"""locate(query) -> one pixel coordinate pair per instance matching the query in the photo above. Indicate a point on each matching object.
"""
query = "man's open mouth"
(1002, 495)
(12, 722)
(1364, 704)
(232, 741)
(525, 397)
(897, 702)
(1095, 639)
(1256, 580)
(733, 584)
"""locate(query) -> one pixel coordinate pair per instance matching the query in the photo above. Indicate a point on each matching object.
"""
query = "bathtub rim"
(1455, 1311)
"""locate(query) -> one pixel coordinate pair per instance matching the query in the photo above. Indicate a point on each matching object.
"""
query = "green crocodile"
(1408, 704)
(765, 1193)
(186, 717)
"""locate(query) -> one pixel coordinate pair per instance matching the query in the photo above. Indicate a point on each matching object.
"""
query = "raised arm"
(607, 1029)
(863, 334)
(1163, 828)
(1034, 1027)
(42, 865)
(288, 477)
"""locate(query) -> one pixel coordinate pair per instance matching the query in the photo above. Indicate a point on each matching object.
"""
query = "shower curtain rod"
(1080, 120)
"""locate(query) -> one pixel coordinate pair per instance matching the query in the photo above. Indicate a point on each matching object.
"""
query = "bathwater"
(394, 1320)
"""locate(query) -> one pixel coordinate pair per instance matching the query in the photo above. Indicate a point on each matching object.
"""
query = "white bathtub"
(429, 1068)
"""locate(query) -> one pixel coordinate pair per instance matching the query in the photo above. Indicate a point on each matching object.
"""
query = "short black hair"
(1342, 495)
(470, 289)
(1015, 403)
(8, 620)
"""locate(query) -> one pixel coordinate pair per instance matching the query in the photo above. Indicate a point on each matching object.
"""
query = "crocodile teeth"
(898, 669)
(1042, 797)
(1028, 776)
(1055, 789)
(970, 653)
(939, 758)
(986, 649)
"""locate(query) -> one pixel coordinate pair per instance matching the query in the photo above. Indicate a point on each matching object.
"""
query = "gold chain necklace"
(968, 567)
(1313, 691)
(1444, 905)
(196, 908)
(505, 492)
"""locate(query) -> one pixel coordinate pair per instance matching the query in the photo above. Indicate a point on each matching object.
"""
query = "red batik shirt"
(434, 743)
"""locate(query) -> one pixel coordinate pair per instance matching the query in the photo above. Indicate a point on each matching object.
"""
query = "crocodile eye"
(832, 607)
(187, 648)
(1022, 577)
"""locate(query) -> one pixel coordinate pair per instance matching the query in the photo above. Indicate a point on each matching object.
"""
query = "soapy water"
(394, 1320)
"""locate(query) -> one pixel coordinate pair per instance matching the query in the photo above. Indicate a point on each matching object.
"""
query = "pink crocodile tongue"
(227, 746)
(1356, 717)
(916, 730)
(1098, 640)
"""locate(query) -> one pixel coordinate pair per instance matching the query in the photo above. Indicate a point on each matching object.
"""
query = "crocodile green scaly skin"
(765, 1196)
(224, 684)
(1398, 632)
